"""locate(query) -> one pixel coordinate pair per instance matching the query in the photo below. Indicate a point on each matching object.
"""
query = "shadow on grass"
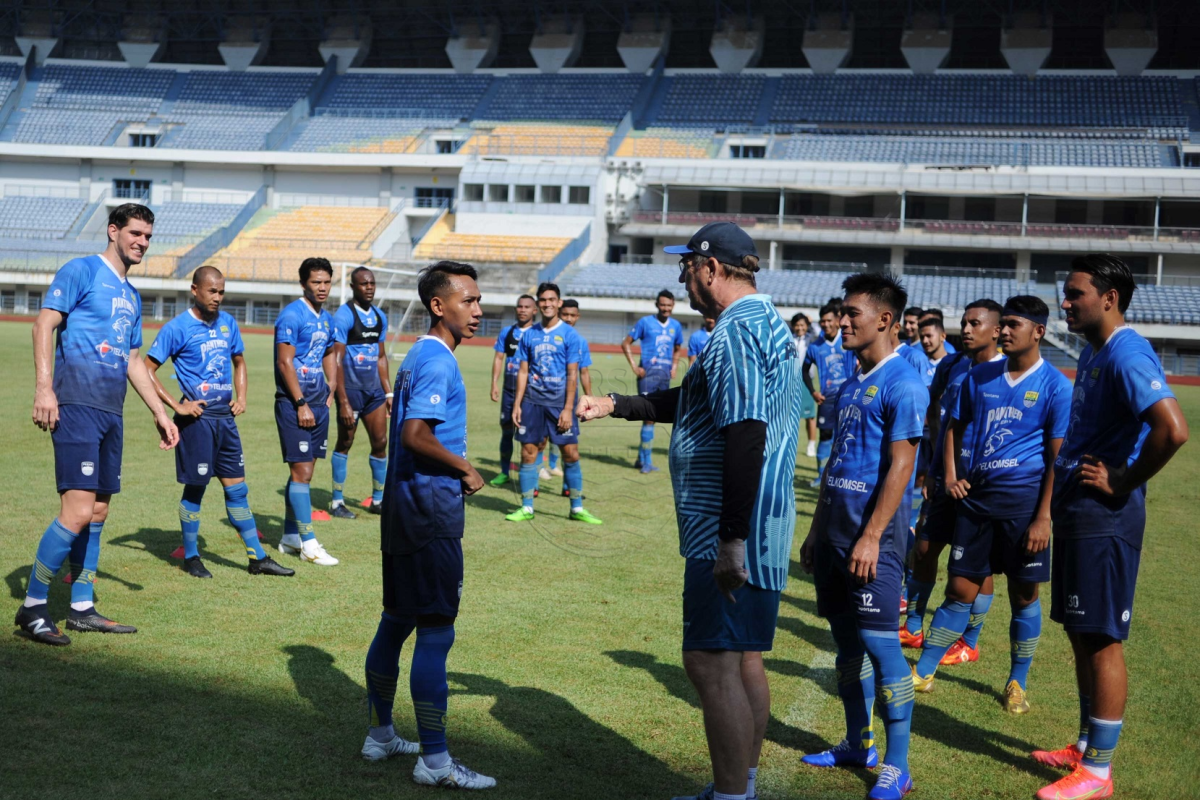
(958, 734)
(161, 543)
(319, 682)
(18, 584)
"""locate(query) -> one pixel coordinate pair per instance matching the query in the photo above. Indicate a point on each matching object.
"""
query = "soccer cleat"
(38, 626)
(1079, 785)
(522, 514)
(452, 776)
(637, 463)
(815, 483)
(959, 653)
(893, 784)
(500, 480)
(341, 512)
(91, 621)
(914, 640)
(903, 606)
(320, 516)
(811, 450)
(314, 553)
(195, 567)
(374, 508)
(843, 754)
(581, 515)
(648, 468)
(1068, 757)
(267, 566)
(557, 472)
(544, 475)
(922, 685)
(378, 751)
(707, 793)
(1015, 701)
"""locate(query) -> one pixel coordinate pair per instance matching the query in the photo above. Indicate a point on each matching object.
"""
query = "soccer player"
(544, 404)
(421, 531)
(834, 365)
(85, 345)
(698, 340)
(912, 326)
(1017, 410)
(569, 313)
(507, 363)
(737, 428)
(857, 539)
(980, 335)
(661, 339)
(205, 345)
(800, 332)
(363, 388)
(932, 340)
(1125, 426)
(305, 375)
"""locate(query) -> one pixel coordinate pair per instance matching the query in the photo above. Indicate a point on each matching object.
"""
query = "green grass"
(566, 678)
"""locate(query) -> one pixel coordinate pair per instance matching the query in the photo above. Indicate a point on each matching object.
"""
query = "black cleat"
(91, 621)
(341, 512)
(36, 623)
(375, 508)
(265, 566)
(195, 567)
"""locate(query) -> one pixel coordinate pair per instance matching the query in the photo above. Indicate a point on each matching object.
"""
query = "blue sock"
(918, 601)
(1102, 743)
(427, 684)
(855, 681)
(948, 624)
(647, 439)
(529, 482)
(85, 560)
(541, 459)
(573, 473)
(553, 456)
(51, 553)
(506, 449)
(1085, 718)
(189, 519)
(289, 513)
(915, 514)
(979, 610)
(824, 450)
(1024, 632)
(378, 478)
(894, 685)
(301, 500)
(237, 507)
(339, 462)
(383, 667)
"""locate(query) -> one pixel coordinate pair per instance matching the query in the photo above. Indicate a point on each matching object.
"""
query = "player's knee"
(1021, 594)
(961, 590)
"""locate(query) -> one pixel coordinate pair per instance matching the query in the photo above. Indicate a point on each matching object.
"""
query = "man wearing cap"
(736, 429)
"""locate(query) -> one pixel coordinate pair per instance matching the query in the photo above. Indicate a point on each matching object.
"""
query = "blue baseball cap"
(724, 241)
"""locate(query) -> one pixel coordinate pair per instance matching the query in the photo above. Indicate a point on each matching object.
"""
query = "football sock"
(529, 482)
(85, 560)
(1085, 716)
(506, 450)
(427, 684)
(724, 796)
(573, 472)
(1102, 742)
(750, 780)
(553, 456)
(237, 507)
(855, 681)
(541, 459)
(383, 669)
(647, 438)
(915, 514)
(824, 450)
(979, 611)
(289, 513)
(51, 553)
(301, 501)
(378, 478)
(918, 601)
(894, 685)
(949, 622)
(189, 519)
(1023, 634)
(339, 463)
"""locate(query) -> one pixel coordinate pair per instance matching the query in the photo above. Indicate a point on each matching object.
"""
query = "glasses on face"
(686, 262)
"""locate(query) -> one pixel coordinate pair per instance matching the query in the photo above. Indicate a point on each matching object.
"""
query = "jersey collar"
(120, 277)
(191, 312)
(1013, 382)
(557, 321)
(862, 376)
(437, 339)
(307, 305)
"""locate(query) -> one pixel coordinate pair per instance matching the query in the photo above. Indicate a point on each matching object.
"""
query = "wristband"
(390, 395)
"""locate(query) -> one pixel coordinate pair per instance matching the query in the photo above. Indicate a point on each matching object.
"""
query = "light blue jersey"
(697, 341)
(749, 370)
(549, 352)
(834, 365)
(363, 333)
(102, 323)
(585, 352)
(658, 342)
(915, 355)
(310, 333)
(203, 356)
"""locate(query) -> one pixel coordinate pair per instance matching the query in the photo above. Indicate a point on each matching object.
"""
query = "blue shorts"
(875, 605)
(826, 415)
(984, 546)
(87, 449)
(940, 514)
(208, 447)
(428, 581)
(654, 382)
(538, 422)
(364, 401)
(300, 445)
(710, 622)
(1092, 584)
(507, 400)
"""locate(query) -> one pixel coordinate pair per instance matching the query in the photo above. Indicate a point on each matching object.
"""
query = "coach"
(732, 458)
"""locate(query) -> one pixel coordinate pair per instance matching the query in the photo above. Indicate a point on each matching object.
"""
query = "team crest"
(202, 469)
(304, 447)
(1030, 399)
(957, 552)
(558, 339)
(1095, 374)
(225, 329)
(87, 467)
(870, 395)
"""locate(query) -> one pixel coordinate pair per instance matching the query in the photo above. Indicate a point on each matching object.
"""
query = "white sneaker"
(811, 452)
(290, 544)
(557, 472)
(545, 475)
(313, 553)
(452, 776)
(378, 751)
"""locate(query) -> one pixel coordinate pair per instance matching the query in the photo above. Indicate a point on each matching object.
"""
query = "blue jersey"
(874, 410)
(1012, 421)
(102, 323)
(834, 365)
(424, 499)
(311, 334)
(947, 383)
(750, 370)
(363, 333)
(658, 342)
(585, 353)
(507, 343)
(203, 355)
(915, 355)
(697, 341)
(1114, 387)
(549, 353)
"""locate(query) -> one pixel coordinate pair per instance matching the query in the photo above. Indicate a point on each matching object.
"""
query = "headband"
(1036, 319)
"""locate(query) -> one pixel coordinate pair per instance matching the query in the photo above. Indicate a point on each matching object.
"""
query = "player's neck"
(1020, 363)
(661, 319)
(200, 314)
(439, 331)
(549, 323)
(937, 355)
(113, 257)
(1099, 336)
(313, 304)
(870, 356)
(985, 354)
(361, 304)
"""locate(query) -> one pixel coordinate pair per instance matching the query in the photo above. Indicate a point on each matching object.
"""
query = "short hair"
(205, 272)
(914, 311)
(315, 264)
(933, 322)
(830, 308)
(570, 302)
(986, 303)
(743, 272)
(667, 293)
(932, 312)
(435, 279)
(800, 316)
(121, 215)
(1108, 273)
(528, 297)
(1027, 304)
(358, 270)
(547, 286)
(881, 288)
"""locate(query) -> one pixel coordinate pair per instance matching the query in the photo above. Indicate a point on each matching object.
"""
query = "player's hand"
(674, 367)
(45, 409)
(565, 420)
(1037, 538)
(864, 558)
(238, 407)
(807, 550)
(516, 415)
(820, 398)
(329, 401)
(388, 402)
(590, 408)
(925, 491)
(191, 408)
(168, 434)
(1104, 478)
(472, 482)
(958, 489)
(730, 570)
(305, 418)
(495, 394)
(346, 415)
(639, 371)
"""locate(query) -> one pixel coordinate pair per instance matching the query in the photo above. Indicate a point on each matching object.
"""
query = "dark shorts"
(429, 581)
(87, 449)
(364, 401)
(208, 447)
(301, 444)
(654, 382)
(924, 454)
(507, 399)
(1092, 584)
(875, 605)
(984, 546)
(710, 622)
(539, 422)
(940, 514)
(826, 415)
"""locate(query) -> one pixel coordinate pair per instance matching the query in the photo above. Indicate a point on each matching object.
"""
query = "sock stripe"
(43, 572)
(941, 637)
(239, 514)
(187, 515)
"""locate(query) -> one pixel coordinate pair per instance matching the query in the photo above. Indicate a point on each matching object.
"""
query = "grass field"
(566, 676)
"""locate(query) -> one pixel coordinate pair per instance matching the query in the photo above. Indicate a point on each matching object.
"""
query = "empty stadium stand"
(331, 133)
(38, 217)
(442, 242)
(533, 139)
(189, 222)
(974, 151)
(414, 95)
(668, 143)
(708, 99)
(593, 97)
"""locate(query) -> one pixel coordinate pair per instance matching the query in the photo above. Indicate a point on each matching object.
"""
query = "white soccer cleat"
(313, 553)
(811, 451)
(378, 751)
(544, 475)
(290, 544)
(557, 472)
(452, 776)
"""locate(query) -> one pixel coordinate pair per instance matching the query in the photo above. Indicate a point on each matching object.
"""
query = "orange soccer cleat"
(913, 640)
(959, 653)
(1079, 785)
(1068, 757)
